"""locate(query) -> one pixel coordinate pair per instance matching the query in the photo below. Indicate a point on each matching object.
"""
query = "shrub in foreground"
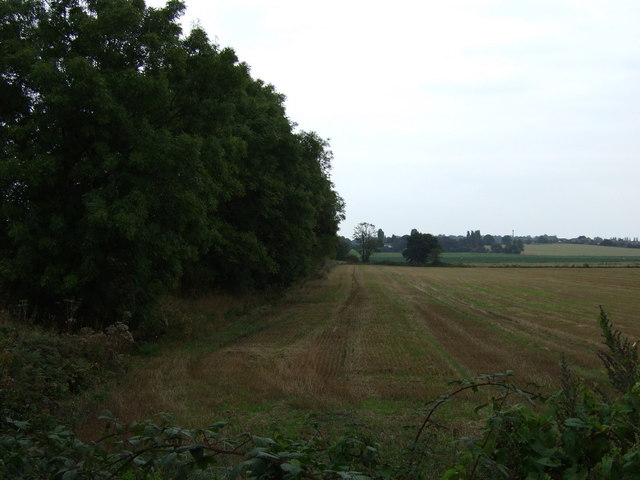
(578, 433)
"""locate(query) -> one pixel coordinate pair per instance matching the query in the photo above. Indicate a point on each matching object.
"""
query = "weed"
(621, 358)
(574, 434)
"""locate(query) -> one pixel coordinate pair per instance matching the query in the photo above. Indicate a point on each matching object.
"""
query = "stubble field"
(369, 345)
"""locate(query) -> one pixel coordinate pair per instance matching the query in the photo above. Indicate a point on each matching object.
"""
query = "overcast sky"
(448, 116)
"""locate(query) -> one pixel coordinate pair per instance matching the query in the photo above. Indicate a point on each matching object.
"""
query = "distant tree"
(398, 243)
(474, 239)
(381, 238)
(450, 243)
(514, 246)
(365, 236)
(488, 240)
(518, 246)
(422, 248)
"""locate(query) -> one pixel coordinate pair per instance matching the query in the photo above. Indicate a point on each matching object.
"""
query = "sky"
(457, 115)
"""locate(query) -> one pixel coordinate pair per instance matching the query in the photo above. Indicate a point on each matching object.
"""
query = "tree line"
(417, 248)
(137, 160)
(474, 241)
(423, 248)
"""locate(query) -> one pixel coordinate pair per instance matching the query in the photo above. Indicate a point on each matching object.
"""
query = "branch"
(472, 386)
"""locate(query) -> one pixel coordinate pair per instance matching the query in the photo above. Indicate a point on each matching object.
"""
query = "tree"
(512, 245)
(398, 244)
(488, 240)
(422, 248)
(135, 160)
(88, 130)
(365, 236)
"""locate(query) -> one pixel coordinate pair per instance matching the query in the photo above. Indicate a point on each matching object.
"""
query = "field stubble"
(371, 344)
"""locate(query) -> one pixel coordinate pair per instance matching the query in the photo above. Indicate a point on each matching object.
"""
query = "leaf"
(548, 462)
(169, 460)
(263, 442)
(265, 455)
(18, 424)
(105, 415)
(575, 423)
(70, 474)
(291, 468)
(135, 441)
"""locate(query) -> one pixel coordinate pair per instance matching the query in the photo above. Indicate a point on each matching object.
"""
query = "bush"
(41, 371)
(578, 433)
(148, 450)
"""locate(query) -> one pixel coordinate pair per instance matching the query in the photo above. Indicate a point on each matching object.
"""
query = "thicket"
(136, 161)
(580, 432)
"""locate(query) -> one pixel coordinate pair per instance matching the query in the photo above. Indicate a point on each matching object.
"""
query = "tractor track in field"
(451, 336)
(470, 337)
(309, 350)
(552, 338)
(331, 347)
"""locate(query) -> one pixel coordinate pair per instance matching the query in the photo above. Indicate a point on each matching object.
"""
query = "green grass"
(567, 249)
(556, 254)
(378, 257)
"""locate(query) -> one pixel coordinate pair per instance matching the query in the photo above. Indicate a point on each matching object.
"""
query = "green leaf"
(265, 455)
(70, 474)
(169, 460)
(548, 462)
(263, 442)
(291, 469)
(575, 423)
(105, 415)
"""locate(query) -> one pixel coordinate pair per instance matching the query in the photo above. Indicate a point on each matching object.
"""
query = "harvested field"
(381, 339)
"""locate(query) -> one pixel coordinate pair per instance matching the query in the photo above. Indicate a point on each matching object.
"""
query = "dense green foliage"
(422, 248)
(161, 450)
(135, 160)
(41, 374)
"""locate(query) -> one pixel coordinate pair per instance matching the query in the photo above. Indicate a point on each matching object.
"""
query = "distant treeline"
(137, 161)
(475, 241)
